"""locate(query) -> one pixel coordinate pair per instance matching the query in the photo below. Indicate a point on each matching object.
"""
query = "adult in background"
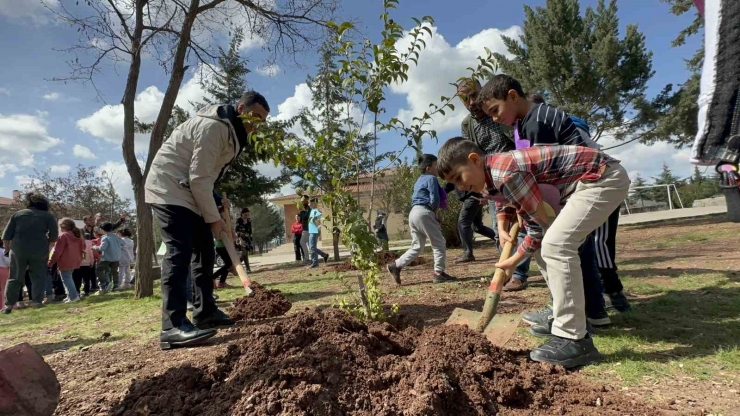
(29, 235)
(492, 138)
(304, 214)
(243, 230)
(100, 219)
(180, 187)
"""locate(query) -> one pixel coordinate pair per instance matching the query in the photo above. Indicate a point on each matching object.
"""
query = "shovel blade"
(28, 386)
(499, 331)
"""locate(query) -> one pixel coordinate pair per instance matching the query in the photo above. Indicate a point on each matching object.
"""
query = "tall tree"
(639, 194)
(121, 31)
(230, 79)
(582, 65)
(267, 224)
(677, 105)
(666, 177)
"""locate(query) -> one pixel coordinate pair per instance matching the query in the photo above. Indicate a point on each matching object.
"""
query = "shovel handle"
(497, 284)
(229, 244)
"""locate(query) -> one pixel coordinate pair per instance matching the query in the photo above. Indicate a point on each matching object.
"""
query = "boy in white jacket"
(127, 257)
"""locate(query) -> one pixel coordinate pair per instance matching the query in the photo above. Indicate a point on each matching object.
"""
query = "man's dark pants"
(189, 244)
(470, 221)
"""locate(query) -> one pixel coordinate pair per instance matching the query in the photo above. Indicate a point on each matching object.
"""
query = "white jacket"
(195, 153)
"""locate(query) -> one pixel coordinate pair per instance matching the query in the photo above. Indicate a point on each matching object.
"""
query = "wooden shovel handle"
(229, 244)
(499, 277)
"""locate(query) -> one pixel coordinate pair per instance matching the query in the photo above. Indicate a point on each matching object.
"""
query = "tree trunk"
(144, 285)
(372, 174)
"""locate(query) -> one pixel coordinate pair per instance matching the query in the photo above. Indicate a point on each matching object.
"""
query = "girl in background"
(68, 253)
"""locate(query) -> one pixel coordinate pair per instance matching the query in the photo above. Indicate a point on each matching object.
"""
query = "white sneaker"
(110, 287)
(68, 300)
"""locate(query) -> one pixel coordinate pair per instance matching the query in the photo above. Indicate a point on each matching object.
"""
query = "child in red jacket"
(297, 230)
(68, 252)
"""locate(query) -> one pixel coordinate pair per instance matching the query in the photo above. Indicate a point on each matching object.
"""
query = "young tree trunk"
(372, 174)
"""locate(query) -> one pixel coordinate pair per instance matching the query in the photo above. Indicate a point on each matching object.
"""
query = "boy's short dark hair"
(498, 88)
(245, 210)
(106, 226)
(252, 97)
(535, 98)
(455, 153)
(425, 161)
(38, 201)
(126, 233)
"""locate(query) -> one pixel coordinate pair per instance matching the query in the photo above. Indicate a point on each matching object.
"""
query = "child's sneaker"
(619, 302)
(395, 271)
(19, 305)
(68, 300)
(538, 317)
(567, 352)
(100, 292)
(442, 277)
(110, 287)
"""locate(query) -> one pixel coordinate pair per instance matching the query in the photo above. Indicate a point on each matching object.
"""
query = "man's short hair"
(425, 161)
(455, 153)
(498, 88)
(106, 226)
(535, 98)
(245, 210)
(38, 201)
(252, 97)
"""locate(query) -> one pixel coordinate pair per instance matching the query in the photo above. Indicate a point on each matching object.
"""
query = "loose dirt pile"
(383, 259)
(327, 363)
(263, 303)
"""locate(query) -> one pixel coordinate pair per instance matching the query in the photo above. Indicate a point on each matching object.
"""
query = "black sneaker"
(545, 330)
(395, 271)
(215, 319)
(538, 317)
(326, 258)
(619, 302)
(465, 259)
(442, 277)
(600, 319)
(567, 352)
(6, 310)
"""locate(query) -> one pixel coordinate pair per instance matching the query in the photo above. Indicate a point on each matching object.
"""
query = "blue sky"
(46, 124)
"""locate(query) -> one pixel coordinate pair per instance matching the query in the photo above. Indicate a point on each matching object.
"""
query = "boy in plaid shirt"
(590, 181)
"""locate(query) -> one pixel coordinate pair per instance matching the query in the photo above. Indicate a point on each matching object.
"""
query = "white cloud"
(23, 180)
(83, 152)
(58, 153)
(7, 168)
(52, 96)
(648, 160)
(5, 91)
(118, 174)
(107, 122)
(59, 168)
(269, 70)
(32, 10)
(22, 135)
(441, 64)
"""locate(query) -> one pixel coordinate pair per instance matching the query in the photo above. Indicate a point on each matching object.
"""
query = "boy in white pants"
(592, 183)
(424, 223)
(127, 257)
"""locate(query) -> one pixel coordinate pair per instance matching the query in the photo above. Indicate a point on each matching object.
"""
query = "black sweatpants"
(189, 244)
(605, 238)
(470, 221)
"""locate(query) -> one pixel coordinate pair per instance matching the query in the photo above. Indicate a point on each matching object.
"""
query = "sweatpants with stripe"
(605, 238)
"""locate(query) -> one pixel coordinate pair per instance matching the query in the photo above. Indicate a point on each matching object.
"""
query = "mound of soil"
(263, 303)
(326, 363)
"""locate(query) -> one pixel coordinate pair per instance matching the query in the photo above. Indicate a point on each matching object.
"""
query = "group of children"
(306, 231)
(72, 257)
(551, 152)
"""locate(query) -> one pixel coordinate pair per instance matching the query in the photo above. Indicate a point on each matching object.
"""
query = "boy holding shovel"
(593, 183)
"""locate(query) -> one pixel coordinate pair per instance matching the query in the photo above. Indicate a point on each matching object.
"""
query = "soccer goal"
(670, 189)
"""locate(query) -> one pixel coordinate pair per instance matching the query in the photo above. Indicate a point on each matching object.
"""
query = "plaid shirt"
(516, 175)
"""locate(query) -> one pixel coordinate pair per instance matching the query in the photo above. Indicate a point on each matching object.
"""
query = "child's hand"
(510, 263)
(503, 235)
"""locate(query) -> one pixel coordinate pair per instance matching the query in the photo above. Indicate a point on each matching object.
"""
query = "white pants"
(424, 224)
(124, 273)
(304, 246)
(588, 207)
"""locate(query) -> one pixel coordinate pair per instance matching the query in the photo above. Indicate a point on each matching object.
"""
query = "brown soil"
(263, 303)
(383, 259)
(327, 363)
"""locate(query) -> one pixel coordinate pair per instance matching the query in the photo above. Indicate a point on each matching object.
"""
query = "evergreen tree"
(580, 64)
(267, 224)
(639, 194)
(666, 177)
(228, 85)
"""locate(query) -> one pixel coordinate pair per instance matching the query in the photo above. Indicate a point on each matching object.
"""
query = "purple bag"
(442, 198)
(519, 142)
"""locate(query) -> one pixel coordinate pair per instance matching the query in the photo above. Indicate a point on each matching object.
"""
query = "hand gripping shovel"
(28, 386)
(497, 328)
(229, 244)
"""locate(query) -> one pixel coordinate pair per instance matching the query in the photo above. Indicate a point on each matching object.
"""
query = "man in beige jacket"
(180, 188)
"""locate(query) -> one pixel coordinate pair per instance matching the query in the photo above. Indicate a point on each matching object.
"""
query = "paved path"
(284, 253)
(672, 214)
